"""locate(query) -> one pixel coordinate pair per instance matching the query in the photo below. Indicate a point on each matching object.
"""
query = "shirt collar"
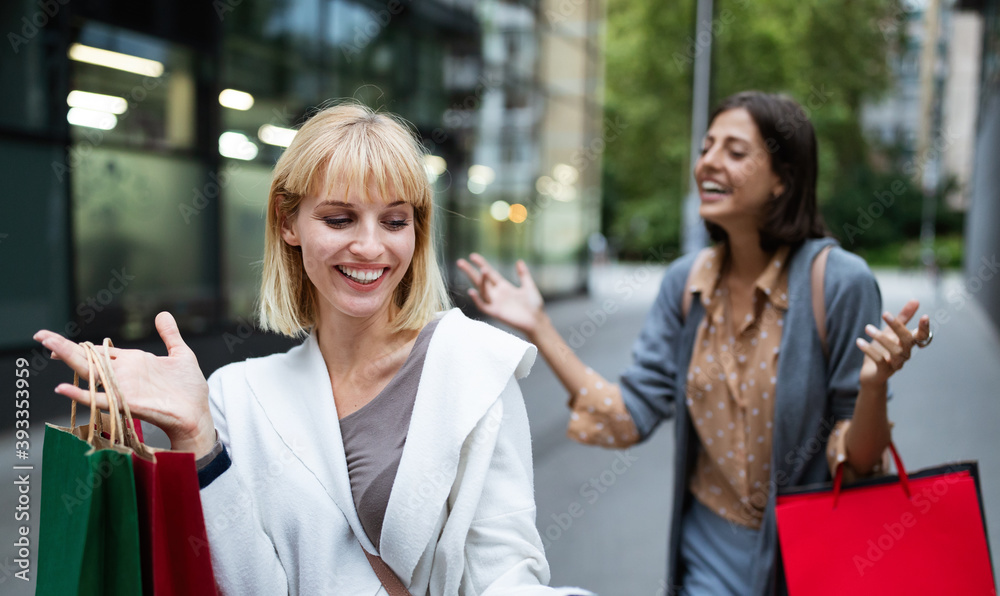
(772, 282)
(706, 279)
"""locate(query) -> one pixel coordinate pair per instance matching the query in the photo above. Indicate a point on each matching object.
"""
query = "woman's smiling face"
(734, 175)
(355, 251)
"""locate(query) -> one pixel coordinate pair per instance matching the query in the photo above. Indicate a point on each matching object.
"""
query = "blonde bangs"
(341, 150)
(374, 152)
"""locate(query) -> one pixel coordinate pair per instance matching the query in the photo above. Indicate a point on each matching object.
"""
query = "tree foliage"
(829, 56)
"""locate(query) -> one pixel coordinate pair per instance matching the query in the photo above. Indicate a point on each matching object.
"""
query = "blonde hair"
(355, 148)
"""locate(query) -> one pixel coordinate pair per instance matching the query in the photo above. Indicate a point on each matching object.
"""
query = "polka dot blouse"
(730, 396)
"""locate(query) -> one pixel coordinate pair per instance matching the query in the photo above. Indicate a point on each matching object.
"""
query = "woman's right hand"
(169, 392)
(520, 307)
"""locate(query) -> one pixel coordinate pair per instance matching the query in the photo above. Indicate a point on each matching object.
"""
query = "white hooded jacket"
(461, 514)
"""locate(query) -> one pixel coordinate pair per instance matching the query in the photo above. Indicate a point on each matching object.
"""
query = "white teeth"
(711, 186)
(363, 276)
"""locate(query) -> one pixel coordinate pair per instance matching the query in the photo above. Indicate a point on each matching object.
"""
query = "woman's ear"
(289, 233)
(779, 185)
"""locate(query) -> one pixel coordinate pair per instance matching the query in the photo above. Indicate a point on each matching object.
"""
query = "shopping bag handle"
(110, 382)
(97, 367)
(94, 375)
(100, 371)
(904, 478)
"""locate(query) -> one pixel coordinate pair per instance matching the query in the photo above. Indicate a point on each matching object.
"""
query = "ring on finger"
(923, 343)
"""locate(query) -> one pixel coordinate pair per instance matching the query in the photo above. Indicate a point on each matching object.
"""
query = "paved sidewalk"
(603, 514)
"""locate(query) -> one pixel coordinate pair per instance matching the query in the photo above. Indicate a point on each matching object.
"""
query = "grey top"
(374, 437)
(812, 392)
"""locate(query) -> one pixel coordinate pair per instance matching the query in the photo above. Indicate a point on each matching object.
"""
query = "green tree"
(829, 56)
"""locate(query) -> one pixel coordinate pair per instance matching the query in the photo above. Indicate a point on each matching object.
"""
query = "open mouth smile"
(364, 277)
(712, 190)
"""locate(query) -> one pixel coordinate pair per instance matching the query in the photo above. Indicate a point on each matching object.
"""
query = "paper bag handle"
(100, 371)
(904, 478)
(93, 375)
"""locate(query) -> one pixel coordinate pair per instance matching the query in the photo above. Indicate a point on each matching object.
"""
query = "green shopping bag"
(88, 540)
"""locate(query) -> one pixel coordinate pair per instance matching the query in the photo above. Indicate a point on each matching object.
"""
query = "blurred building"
(982, 241)
(895, 118)
(139, 138)
(929, 114)
(536, 178)
(944, 113)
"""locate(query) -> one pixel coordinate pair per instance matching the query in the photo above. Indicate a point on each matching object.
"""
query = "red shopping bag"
(919, 533)
(172, 537)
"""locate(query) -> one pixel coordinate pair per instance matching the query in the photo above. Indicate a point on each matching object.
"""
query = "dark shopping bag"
(919, 533)
(88, 539)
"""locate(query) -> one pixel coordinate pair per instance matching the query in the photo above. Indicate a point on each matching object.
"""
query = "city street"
(603, 514)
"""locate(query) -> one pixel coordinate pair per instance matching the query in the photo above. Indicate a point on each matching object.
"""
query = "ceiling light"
(500, 210)
(565, 173)
(276, 135)
(91, 118)
(97, 101)
(435, 164)
(236, 145)
(518, 213)
(482, 174)
(118, 61)
(236, 100)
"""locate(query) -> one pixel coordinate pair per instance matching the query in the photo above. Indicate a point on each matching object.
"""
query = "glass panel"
(270, 56)
(33, 242)
(244, 203)
(131, 89)
(140, 239)
(23, 66)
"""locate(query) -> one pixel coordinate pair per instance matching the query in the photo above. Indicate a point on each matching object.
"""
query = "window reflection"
(130, 89)
(132, 114)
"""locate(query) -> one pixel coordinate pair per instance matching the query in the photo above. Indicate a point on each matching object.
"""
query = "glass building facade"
(138, 141)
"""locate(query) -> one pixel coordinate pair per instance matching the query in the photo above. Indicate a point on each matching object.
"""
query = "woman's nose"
(367, 242)
(709, 160)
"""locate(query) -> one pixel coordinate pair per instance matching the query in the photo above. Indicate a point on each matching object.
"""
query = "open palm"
(167, 391)
(517, 306)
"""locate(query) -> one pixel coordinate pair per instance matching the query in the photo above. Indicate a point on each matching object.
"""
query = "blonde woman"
(396, 429)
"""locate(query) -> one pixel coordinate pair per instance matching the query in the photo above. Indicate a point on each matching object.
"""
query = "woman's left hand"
(891, 345)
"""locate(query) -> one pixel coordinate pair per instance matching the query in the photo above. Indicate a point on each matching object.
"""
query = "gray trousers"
(716, 554)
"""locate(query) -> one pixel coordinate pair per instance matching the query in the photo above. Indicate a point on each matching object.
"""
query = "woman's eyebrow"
(727, 139)
(329, 203)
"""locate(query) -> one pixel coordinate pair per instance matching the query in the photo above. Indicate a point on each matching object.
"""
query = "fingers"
(477, 300)
(482, 277)
(906, 337)
(471, 272)
(909, 309)
(876, 353)
(923, 329)
(480, 261)
(82, 395)
(524, 274)
(166, 326)
(69, 352)
(898, 327)
(891, 345)
(489, 274)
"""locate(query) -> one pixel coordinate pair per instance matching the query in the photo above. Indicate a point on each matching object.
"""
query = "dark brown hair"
(793, 216)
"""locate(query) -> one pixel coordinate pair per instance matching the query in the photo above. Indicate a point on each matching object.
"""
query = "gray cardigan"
(812, 393)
